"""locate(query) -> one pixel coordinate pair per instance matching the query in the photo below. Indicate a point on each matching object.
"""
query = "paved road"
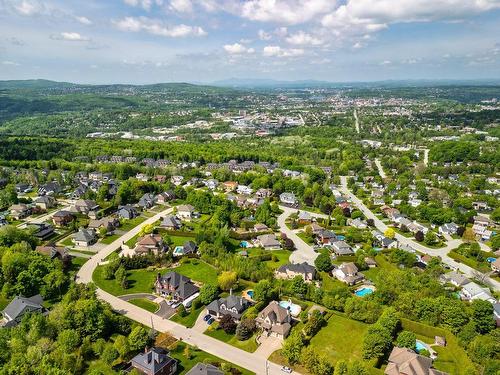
(426, 157)
(380, 169)
(250, 361)
(441, 252)
(356, 121)
(43, 218)
(303, 252)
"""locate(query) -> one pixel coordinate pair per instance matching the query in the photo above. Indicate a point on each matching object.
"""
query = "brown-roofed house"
(403, 361)
(275, 320)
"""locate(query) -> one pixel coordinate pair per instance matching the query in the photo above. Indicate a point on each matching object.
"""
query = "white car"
(288, 370)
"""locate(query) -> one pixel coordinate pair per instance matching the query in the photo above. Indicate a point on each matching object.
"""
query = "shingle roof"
(17, 306)
(204, 369)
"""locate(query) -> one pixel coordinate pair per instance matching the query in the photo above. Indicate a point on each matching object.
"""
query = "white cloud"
(181, 6)
(10, 63)
(386, 62)
(263, 35)
(145, 4)
(237, 49)
(156, 27)
(357, 45)
(303, 39)
(70, 37)
(83, 20)
(277, 51)
(289, 12)
(29, 8)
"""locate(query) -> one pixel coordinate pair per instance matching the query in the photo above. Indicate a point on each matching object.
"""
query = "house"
(472, 291)
(404, 361)
(243, 189)
(304, 217)
(108, 223)
(185, 212)
(229, 186)
(211, 184)
(230, 305)
(259, 227)
(41, 231)
(142, 177)
(268, 242)
(454, 278)
(264, 193)
(49, 188)
(19, 211)
(385, 242)
(495, 265)
(189, 247)
(45, 202)
(316, 228)
(415, 202)
(171, 222)
(174, 285)
(448, 228)
(341, 248)
(147, 201)
(325, 237)
(127, 212)
(23, 188)
(165, 197)
(289, 199)
(150, 243)
(348, 273)
(275, 320)
(85, 238)
(177, 180)
(62, 218)
(85, 206)
(480, 206)
(357, 223)
(54, 252)
(289, 271)
(204, 369)
(390, 212)
(20, 306)
(154, 361)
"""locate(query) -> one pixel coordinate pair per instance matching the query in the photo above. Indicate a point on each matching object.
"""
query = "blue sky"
(146, 41)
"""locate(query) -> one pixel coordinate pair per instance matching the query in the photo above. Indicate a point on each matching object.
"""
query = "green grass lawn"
(68, 241)
(145, 304)
(306, 239)
(330, 283)
(132, 223)
(142, 280)
(189, 319)
(249, 345)
(282, 258)
(180, 240)
(4, 302)
(110, 239)
(131, 243)
(185, 364)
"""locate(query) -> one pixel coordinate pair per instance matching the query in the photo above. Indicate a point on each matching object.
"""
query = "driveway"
(200, 325)
(441, 252)
(268, 345)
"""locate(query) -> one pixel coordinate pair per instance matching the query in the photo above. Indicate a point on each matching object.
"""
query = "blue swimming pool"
(363, 292)
(491, 259)
(178, 251)
(250, 293)
(419, 345)
(244, 244)
(341, 237)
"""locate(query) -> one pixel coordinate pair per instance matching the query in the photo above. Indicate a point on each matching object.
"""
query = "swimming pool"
(178, 251)
(419, 345)
(294, 309)
(363, 292)
(491, 259)
(250, 293)
(340, 237)
(244, 244)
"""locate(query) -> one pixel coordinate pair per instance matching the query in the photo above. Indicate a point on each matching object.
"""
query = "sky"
(150, 41)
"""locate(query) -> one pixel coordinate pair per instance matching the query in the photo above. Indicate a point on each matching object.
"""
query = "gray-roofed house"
(341, 248)
(472, 291)
(177, 286)
(85, 238)
(348, 273)
(45, 202)
(20, 306)
(127, 212)
(62, 218)
(154, 361)
(275, 320)
(448, 228)
(289, 199)
(289, 271)
(85, 206)
(147, 201)
(454, 278)
(171, 222)
(185, 212)
(204, 369)
(269, 242)
(230, 305)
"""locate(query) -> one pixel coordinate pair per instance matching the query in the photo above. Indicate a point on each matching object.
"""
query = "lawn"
(180, 240)
(132, 223)
(189, 319)
(282, 258)
(68, 241)
(249, 345)
(131, 243)
(145, 304)
(110, 239)
(308, 240)
(185, 363)
(4, 302)
(142, 280)
(329, 283)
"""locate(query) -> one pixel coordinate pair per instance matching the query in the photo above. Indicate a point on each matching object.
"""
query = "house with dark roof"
(175, 285)
(275, 320)
(204, 369)
(45, 202)
(230, 305)
(85, 237)
(171, 222)
(150, 243)
(154, 361)
(62, 218)
(20, 306)
(403, 361)
(324, 237)
(41, 231)
(291, 270)
(148, 200)
(127, 212)
(341, 248)
(54, 252)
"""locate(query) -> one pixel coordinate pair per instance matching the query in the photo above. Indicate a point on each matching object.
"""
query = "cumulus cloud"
(83, 20)
(303, 39)
(181, 6)
(145, 4)
(70, 37)
(264, 35)
(29, 8)
(10, 63)
(277, 51)
(237, 49)
(156, 27)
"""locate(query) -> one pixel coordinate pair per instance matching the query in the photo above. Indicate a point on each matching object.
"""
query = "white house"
(472, 291)
(289, 199)
(185, 212)
(348, 273)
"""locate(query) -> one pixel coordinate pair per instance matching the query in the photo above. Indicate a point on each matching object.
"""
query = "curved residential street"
(441, 252)
(256, 362)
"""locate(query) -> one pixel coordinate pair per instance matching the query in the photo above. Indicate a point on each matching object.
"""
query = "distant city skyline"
(148, 41)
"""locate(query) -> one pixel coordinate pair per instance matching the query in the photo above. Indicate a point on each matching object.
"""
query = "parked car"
(207, 317)
(286, 369)
(210, 321)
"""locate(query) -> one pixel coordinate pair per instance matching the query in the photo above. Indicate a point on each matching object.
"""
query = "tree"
(245, 329)
(292, 347)
(314, 324)
(138, 338)
(389, 320)
(357, 368)
(109, 353)
(298, 286)
(263, 291)
(208, 293)
(288, 244)
(227, 323)
(430, 238)
(390, 233)
(377, 342)
(482, 315)
(121, 345)
(469, 235)
(323, 262)
(419, 236)
(406, 339)
(227, 280)
(340, 368)
(68, 340)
